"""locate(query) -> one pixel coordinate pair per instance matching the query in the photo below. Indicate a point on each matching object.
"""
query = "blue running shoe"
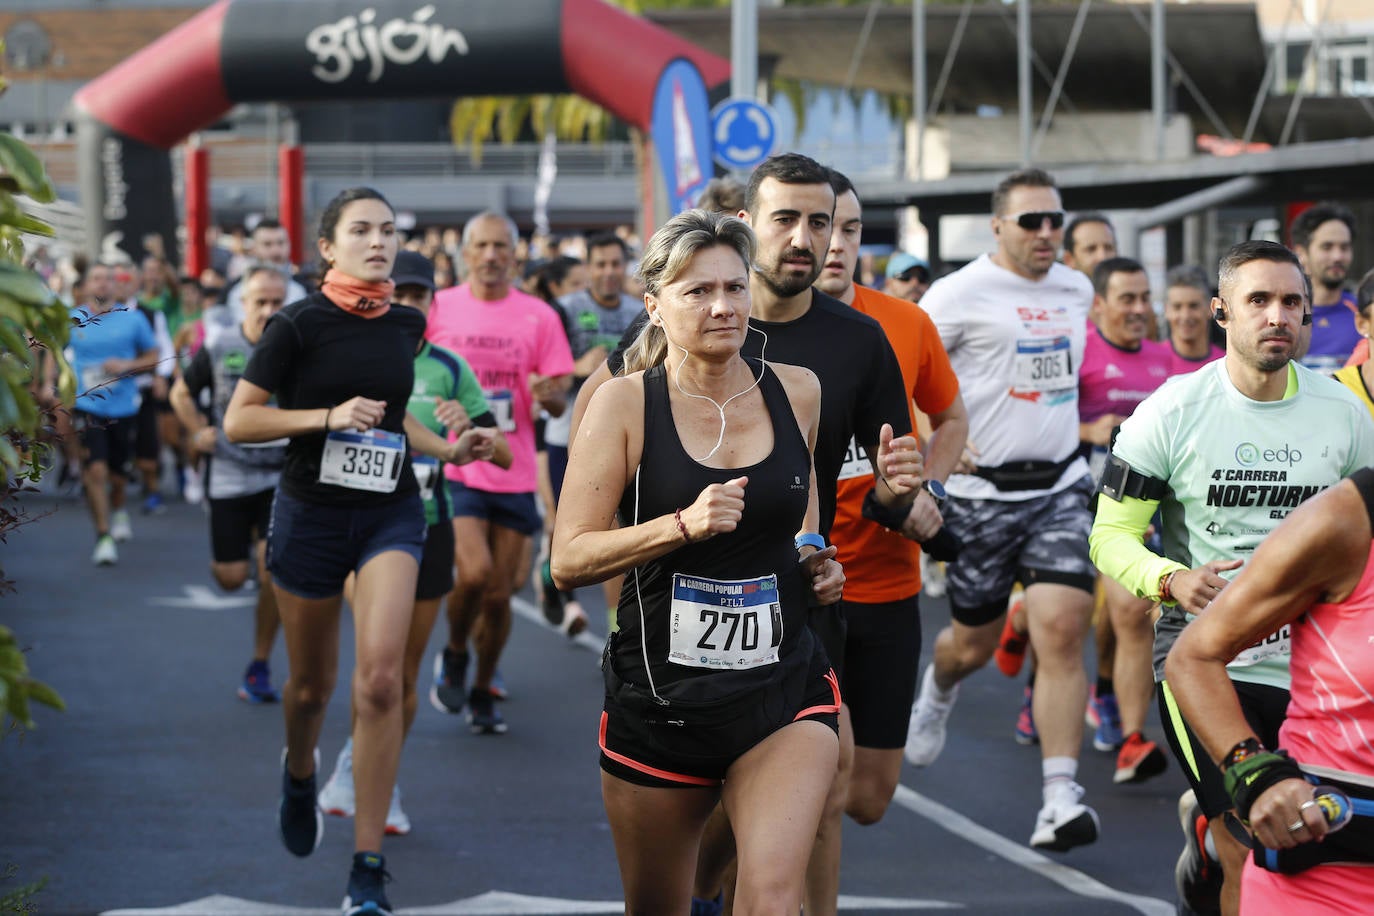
(498, 685)
(152, 504)
(1025, 720)
(257, 684)
(483, 716)
(713, 907)
(299, 819)
(367, 886)
(450, 681)
(1105, 718)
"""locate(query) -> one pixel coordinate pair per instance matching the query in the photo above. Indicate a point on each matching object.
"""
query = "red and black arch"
(268, 50)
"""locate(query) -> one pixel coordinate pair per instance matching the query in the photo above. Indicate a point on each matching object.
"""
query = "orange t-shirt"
(881, 565)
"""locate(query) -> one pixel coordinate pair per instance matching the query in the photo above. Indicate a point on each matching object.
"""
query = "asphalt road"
(156, 791)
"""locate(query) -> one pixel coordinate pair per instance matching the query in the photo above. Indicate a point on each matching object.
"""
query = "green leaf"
(24, 166)
(25, 286)
(42, 693)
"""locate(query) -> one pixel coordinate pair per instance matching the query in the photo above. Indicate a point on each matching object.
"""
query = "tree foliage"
(33, 321)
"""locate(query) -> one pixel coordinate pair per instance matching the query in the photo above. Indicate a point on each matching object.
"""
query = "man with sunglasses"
(1013, 323)
(908, 277)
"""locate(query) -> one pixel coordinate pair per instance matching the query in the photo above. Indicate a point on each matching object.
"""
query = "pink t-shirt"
(1330, 719)
(1113, 380)
(1182, 365)
(505, 341)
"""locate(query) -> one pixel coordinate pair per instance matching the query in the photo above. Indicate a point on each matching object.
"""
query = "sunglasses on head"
(1032, 220)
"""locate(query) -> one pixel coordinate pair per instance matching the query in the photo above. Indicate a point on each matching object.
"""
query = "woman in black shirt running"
(715, 687)
(340, 364)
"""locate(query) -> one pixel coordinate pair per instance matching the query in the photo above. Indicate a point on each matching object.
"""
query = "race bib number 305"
(1044, 365)
(725, 624)
(369, 460)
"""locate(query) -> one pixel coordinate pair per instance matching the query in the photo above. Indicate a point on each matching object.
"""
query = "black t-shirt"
(314, 354)
(861, 380)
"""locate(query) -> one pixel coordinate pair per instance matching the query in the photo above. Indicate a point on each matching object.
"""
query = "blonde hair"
(667, 255)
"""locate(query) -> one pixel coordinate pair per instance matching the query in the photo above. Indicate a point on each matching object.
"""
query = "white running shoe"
(120, 527)
(106, 554)
(925, 735)
(932, 577)
(193, 488)
(1064, 822)
(397, 824)
(336, 797)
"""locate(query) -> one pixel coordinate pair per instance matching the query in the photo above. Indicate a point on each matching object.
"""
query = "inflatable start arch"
(236, 51)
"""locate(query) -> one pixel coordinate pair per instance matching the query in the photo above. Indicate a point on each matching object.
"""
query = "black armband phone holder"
(1120, 480)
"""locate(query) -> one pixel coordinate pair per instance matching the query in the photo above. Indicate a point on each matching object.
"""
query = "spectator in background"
(908, 277)
(1088, 241)
(1322, 237)
(1188, 294)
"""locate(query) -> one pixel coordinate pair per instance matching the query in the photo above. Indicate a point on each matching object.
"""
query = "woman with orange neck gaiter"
(340, 365)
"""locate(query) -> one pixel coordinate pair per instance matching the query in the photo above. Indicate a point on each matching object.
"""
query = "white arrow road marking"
(492, 903)
(204, 598)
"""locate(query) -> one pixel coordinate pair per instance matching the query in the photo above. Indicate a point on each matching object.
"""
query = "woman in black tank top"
(706, 457)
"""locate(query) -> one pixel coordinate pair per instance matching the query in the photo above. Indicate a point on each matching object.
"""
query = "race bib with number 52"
(370, 460)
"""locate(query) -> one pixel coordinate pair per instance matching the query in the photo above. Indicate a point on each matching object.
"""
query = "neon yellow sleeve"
(1117, 548)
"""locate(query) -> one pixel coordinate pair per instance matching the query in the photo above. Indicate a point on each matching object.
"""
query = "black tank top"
(760, 547)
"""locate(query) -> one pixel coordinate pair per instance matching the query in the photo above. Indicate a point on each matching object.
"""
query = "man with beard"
(1322, 237)
(790, 205)
(1013, 323)
(1226, 453)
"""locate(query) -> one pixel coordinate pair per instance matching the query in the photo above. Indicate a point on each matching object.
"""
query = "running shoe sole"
(1080, 831)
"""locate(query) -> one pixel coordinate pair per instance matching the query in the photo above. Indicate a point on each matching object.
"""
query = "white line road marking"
(204, 598)
(1068, 878)
(492, 903)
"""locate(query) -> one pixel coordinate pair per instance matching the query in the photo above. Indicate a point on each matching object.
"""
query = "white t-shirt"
(1017, 347)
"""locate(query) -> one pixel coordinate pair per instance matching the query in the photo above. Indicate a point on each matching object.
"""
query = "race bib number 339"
(369, 460)
(725, 624)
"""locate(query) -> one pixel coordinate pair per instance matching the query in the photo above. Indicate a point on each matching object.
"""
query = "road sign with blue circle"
(743, 133)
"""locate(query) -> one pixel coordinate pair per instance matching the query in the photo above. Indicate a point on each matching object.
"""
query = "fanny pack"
(692, 719)
(1026, 475)
(1352, 844)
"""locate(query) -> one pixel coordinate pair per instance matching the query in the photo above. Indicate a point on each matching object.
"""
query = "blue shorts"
(515, 511)
(312, 547)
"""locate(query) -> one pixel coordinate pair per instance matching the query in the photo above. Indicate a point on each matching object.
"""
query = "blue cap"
(901, 262)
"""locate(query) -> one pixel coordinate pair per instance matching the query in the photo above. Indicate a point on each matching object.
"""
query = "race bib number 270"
(725, 623)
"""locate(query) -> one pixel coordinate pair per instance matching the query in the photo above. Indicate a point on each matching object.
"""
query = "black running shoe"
(299, 820)
(367, 886)
(450, 689)
(483, 715)
(1197, 876)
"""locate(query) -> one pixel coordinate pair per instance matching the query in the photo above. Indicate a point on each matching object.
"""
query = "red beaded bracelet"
(677, 516)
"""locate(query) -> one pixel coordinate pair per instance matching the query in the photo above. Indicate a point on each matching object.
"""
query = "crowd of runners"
(759, 456)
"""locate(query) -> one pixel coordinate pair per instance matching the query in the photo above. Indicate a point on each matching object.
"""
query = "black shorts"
(827, 621)
(106, 439)
(312, 547)
(689, 745)
(238, 523)
(882, 659)
(1265, 709)
(146, 443)
(436, 563)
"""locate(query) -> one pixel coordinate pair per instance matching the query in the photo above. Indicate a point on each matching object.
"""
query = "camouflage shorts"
(1044, 539)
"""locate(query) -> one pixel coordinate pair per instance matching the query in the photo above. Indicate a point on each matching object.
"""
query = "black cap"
(412, 269)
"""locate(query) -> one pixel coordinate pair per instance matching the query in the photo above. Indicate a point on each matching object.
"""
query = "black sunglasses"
(915, 273)
(1032, 220)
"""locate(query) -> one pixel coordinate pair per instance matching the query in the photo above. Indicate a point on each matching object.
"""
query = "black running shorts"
(882, 653)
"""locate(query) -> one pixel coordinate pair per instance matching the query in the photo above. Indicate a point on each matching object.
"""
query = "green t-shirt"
(441, 373)
(1235, 468)
(168, 302)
